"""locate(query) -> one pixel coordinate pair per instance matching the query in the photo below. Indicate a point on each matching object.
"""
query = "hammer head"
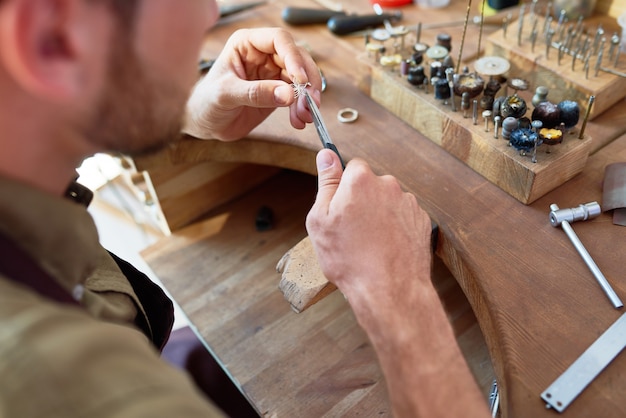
(581, 213)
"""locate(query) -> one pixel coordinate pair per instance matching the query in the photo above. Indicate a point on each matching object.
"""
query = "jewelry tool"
(349, 24)
(562, 218)
(232, 9)
(298, 16)
(320, 126)
(587, 367)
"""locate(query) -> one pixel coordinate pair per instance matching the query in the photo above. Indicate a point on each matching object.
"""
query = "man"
(83, 76)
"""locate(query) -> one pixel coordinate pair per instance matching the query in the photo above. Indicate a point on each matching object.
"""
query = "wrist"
(193, 122)
(191, 127)
(408, 313)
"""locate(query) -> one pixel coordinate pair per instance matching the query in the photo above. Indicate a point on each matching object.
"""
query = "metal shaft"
(586, 118)
(606, 287)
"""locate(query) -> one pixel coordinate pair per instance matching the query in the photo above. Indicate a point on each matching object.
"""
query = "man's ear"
(46, 46)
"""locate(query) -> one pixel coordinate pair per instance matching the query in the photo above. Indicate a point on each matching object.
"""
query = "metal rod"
(604, 284)
(520, 25)
(586, 118)
(486, 117)
(480, 32)
(475, 111)
(458, 64)
(546, 22)
(450, 79)
(505, 24)
(613, 72)
(496, 126)
(549, 36)
(494, 399)
(600, 56)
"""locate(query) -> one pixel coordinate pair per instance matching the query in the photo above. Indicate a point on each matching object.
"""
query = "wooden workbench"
(536, 302)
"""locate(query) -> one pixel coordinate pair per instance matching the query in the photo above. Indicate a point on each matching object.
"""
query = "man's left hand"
(250, 78)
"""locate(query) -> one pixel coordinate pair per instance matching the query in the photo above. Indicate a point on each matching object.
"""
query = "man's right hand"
(372, 239)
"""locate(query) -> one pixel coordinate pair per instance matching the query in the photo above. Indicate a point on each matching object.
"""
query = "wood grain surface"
(302, 281)
(537, 304)
(318, 363)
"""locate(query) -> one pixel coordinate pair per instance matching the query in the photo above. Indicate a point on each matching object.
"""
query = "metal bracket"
(589, 365)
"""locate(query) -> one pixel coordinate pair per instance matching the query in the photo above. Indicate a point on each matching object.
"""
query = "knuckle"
(329, 181)
(391, 182)
(312, 222)
(358, 170)
(254, 94)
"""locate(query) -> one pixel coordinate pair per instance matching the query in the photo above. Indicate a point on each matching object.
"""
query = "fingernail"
(304, 75)
(280, 94)
(324, 160)
(300, 76)
(317, 95)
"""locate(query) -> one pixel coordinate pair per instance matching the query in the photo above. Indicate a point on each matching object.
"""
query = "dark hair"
(124, 9)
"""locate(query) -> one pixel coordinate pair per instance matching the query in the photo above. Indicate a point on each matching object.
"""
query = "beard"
(137, 113)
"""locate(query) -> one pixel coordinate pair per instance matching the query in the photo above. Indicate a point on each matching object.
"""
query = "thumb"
(329, 172)
(263, 93)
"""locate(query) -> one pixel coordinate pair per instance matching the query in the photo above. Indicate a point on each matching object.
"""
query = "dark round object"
(416, 75)
(548, 113)
(264, 219)
(470, 83)
(513, 106)
(570, 113)
(492, 88)
(523, 139)
(502, 4)
(524, 123)
(417, 58)
(436, 69)
(442, 89)
(497, 103)
(445, 40)
(486, 102)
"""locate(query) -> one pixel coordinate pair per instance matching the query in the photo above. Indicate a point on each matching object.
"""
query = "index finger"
(297, 64)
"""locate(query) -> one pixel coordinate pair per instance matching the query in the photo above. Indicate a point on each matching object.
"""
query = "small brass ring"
(347, 115)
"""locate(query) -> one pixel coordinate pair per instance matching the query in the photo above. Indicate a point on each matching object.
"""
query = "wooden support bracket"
(303, 284)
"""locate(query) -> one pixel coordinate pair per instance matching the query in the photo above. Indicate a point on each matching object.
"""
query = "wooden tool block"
(302, 282)
(493, 158)
(564, 83)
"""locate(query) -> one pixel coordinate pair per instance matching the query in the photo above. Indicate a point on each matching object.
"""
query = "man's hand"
(373, 242)
(250, 78)
(372, 239)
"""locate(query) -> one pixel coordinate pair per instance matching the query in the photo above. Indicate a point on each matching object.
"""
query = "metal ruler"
(589, 365)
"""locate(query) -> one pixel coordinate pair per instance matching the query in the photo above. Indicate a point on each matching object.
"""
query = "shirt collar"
(56, 231)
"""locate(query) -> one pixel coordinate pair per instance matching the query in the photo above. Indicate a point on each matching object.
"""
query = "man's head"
(149, 80)
(81, 76)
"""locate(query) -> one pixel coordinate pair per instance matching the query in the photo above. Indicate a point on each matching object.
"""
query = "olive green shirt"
(59, 360)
